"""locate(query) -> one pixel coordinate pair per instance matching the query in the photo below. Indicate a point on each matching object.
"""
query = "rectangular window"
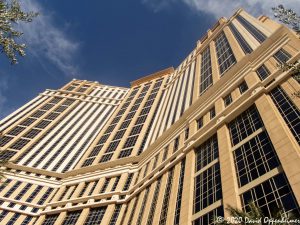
(95, 216)
(240, 39)
(154, 202)
(255, 158)
(103, 189)
(19, 144)
(271, 194)
(227, 100)
(186, 133)
(256, 33)
(128, 182)
(176, 144)
(15, 131)
(244, 125)
(225, 55)
(12, 189)
(200, 122)
(115, 215)
(288, 111)
(72, 218)
(115, 184)
(209, 218)
(282, 56)
(243, 87)
(143, 206)
(262, 72)
(50, 219)
(212, 113)
(166, 199)
(207, 188)
(179, 193)
(4, 140)
(207, 152)
(206, 79)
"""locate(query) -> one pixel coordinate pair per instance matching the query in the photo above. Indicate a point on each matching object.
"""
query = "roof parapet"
(152, 76)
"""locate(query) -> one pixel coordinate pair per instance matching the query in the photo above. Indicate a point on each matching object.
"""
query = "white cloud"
(228, 7)
(45, 40)
(221, 8)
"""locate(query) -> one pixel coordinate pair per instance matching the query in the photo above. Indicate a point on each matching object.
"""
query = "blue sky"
(113, 42)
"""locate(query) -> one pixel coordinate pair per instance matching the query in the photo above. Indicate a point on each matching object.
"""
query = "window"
(186, 133)
(23, 192)
(6, 154)
(155, 161)
(154, 202)
(15, 131)
(212, 113)
(55, 100)
(71, 218)
(165, 204)
(244, 125)
(83, 189)
(38, 113)
(27, 121)
(207, 152)
(165, 153)
(255, 158)
(105, 185)
(12, 189)
(34, 193)
(133, 209)
(207, 188)
(208, 218)
(282, 56)
(19, 144)
(4, 140)
(257, 34)
(130, 141)
(106, 157)
(47, 107)
(240, 39)
(128, 182)
(271, 194)
(243, 87)
(179, 193)
(206, 79)
(142, 208)
(43, 124)
(176, 144)
(50, 219)
(115, 183)
(45, 196)
(227, 100)
(3, 185)
(27, 220)
(224, 53)
(94, 183)
(95, 216)
(288, 111)
(262, 72)
(61, 109)
(32, 133)
(125, 153)
(115, 215)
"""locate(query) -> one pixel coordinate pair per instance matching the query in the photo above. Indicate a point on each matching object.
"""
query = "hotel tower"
(177, 147)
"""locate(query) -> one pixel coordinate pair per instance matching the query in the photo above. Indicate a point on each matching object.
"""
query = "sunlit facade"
(177, 147)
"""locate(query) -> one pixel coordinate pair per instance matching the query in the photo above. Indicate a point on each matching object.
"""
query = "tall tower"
(177, 147)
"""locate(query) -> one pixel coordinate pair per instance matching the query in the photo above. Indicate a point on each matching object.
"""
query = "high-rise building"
(177, 147)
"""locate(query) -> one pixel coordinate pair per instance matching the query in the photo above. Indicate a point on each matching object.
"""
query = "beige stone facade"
(177, 147)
